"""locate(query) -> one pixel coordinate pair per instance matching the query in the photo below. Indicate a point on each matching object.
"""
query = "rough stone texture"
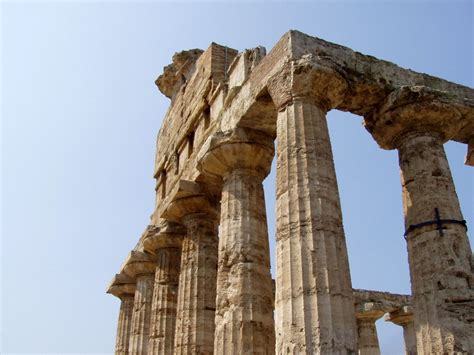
(284, 95)
(244, 314)
(314, 308)
(404, 318)
(197, 280)
(164, 303)
(388, 302)
(124, 325)
(197, 287)
(178, 73)
(440, 261)
(140, 327)
(367, 314)
(124, 288)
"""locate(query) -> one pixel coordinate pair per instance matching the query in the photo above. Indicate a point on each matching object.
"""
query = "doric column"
(165, 243)
(438, 248)
(442, 278)
(367, 314)
(404, 318)
(197, 281)
(141, 267)
(124, 288)
(244, 306)
(314, 300)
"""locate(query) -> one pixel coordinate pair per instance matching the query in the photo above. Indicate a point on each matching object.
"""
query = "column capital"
(138, 263)
(121, 286)
(369, 311)
(310, 77)
(189, 198)
(167, 235)
(419, 110)
(238, 148)
(401, 316)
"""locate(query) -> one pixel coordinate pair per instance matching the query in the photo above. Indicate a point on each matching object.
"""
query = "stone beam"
(301, 65)
(388, 301)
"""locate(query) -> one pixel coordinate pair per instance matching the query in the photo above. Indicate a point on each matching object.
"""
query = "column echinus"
(195, 313)
(417, 123)
(123, 287)
(244, 307)
(164, 241)
(141, 267)
(404, 318)
(314, 305)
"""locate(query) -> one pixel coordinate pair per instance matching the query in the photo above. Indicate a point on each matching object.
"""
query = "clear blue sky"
(79, 118)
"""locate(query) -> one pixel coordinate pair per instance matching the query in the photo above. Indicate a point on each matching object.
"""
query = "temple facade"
(198, 280)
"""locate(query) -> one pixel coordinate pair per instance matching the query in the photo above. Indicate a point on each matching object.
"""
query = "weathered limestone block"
(243, 64)
(314, 300)
(164, 242)
(178, 72)
(141, 267)
(388, 302)
(244, 314)
(367, 314)
(439, 252)
(123, 287)
(404, 318)
(197, 281)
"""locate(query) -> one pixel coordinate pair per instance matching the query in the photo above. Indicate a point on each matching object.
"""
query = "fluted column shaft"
(440, 260)
(140, 327)
(409, 337)
(368, 339)
(244, 315)
(164, 303)
(124, 325)
(314, 300)
(197, 287)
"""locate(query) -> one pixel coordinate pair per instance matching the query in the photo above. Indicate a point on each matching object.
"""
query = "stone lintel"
(189, 198)
(166, 235)
(401, 316)
(138, 263)
(388, 302)
(369, 79)
(339, 78)
(121, 285)
(237, 148)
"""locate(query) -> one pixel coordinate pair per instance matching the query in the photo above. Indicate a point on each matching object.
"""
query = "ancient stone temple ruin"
(198, 280)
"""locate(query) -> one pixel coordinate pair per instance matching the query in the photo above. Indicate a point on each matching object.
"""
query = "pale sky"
(79, 118)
